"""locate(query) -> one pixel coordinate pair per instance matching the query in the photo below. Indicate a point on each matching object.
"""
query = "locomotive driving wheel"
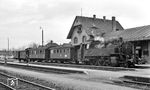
(102, 61)
(106, 61)
(98, 62)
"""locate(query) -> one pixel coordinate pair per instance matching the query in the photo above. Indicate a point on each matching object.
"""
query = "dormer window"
(79, 30)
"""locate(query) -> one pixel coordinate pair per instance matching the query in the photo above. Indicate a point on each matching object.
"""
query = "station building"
(84, 28)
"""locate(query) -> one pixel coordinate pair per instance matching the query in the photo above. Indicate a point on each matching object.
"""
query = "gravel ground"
(91, 81)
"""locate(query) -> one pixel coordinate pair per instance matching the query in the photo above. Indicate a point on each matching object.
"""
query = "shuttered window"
(75, 40)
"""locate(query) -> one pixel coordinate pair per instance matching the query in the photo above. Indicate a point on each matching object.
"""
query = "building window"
(84, 39)
(75, 40)
(57, 51)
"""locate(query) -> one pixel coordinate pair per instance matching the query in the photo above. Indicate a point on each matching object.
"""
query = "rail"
(25, 81)
(6, 87)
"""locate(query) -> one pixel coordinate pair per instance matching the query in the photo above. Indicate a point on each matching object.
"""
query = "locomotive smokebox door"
(114, 58)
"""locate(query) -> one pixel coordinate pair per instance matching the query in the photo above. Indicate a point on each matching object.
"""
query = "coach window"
(84, 39)
(40, 51)
(54, 51)
(67, 50)
(75, 40)
(64, 50)
(35, 52)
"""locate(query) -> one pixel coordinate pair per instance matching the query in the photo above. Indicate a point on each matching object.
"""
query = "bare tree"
(33, 45)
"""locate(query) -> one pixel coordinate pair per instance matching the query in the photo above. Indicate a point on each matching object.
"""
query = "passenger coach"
(62, 54)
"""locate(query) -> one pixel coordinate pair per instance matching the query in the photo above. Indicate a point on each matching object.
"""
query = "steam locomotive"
(111, 53)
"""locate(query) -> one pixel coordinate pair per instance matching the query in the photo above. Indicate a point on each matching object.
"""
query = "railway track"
(133, 84)
(22, 84)
(129, 83)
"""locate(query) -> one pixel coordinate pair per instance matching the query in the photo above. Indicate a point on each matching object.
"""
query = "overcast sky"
(20, 20)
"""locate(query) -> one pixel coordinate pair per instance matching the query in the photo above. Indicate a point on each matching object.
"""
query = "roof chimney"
(113, 23)
(104, 18)
(113, 18)
(94, 16)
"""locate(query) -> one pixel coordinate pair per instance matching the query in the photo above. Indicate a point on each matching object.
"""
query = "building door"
(77, 53)
(80, 52)
(138, 51)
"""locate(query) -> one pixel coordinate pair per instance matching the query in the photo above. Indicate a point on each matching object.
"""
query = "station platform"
(140, 74)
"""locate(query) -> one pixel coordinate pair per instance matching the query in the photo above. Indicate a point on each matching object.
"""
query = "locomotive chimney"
(51, 41)
(113, 23)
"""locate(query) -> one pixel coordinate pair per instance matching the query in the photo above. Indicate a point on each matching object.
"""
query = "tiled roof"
(91, 25)
(131, 34)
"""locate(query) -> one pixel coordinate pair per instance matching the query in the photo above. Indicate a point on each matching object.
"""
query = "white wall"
(79, 36)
